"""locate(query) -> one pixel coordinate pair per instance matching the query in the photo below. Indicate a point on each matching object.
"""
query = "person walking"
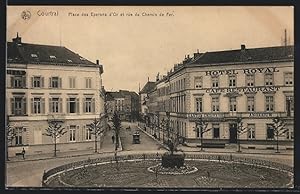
(23, 153)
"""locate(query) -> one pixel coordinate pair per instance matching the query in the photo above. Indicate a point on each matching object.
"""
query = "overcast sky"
(133, 48)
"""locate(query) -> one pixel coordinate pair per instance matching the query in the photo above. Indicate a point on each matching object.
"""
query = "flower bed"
(186, 169)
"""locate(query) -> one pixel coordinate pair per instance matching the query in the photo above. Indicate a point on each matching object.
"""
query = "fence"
(146, 156)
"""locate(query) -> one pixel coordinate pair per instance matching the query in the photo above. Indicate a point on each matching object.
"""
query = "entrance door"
(233, 133)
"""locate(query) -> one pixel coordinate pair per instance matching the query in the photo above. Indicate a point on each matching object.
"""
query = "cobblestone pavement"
(28, 172)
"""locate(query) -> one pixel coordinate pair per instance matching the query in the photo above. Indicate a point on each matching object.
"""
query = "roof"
(18, 52)
(114, 94)
(149, 86)
(246, 55)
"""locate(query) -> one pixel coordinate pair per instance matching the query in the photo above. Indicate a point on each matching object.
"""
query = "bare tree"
(116, 127)
(278, 130)
(96, 129)
(203, 129)
(55, 130)
(10, 136)
(240, 130)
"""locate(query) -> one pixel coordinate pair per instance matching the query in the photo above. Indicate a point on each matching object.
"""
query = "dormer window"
(82, 59)
(69, 60)
(34, 55)
(52, 57)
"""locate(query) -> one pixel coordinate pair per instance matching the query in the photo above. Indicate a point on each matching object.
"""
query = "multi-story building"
(125, 103)
(144, 109)
(254, 84)
(45, 83)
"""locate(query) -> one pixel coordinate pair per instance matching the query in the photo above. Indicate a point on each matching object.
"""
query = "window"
(250, 79)
(72, 133)
(288, 78)
(232, 104)
(72, 82)
(215, 82)
(73, 105)
(88, 134)
(269, 103)
(88, 82)
(37, 82)
(34, 55)
(250, 103)
(232, 81)
(37, 105)
(268, 79)
(89, 105)
(198, 82)
(198, 104)
(270, 131)
(19, 135)
(215, 104)
(55, 105)
(251, 131)
(289, 105)
(289, 134)
(55, 82)
(216, 131)
(18, 81)
(18, 106)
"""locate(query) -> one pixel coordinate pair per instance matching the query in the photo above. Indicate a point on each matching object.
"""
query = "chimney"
(97, 61)
(17, 40)
(243, 47)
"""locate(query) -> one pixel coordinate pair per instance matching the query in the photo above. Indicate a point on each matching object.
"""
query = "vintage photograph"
(155, 97)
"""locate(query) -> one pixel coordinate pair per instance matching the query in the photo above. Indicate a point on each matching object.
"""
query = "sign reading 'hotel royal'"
(250, 71)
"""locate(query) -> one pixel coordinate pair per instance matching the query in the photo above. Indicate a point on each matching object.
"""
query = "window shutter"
(50, 107)
(50, 82)
(12, 80)
(59, 82)
(60, 105)
(77, 133)
(23, 82)
(77, 105)
(42, 82)
(32, 81)
(83, 105)
(43, 106)
(12, 100)
(93, 105)
(32, 107)
(24, 106)
(68, 105)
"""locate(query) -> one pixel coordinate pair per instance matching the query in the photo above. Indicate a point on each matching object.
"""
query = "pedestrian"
(113, 138)
(23, 153)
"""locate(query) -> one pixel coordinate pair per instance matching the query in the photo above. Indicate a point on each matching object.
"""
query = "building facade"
(125, 103)
(255, 85)
(45, 83)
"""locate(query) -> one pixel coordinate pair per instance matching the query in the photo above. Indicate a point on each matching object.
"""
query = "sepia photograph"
(149, 97)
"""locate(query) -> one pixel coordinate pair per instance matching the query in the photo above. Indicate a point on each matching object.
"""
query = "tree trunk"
(277, 142)
(96, 144)
(201, 142)
(54, 146)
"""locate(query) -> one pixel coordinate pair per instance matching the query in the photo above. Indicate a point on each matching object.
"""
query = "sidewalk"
(222, 150)
(106, 147)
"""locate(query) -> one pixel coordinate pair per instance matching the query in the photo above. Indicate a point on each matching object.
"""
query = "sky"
(137, 42)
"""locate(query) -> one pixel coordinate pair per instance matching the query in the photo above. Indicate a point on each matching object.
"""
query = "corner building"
(255, 84)
(45, 83)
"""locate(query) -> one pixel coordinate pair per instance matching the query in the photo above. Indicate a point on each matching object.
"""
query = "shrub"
(172, 161)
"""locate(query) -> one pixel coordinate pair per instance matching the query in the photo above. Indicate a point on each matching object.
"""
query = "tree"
(240, 130)
(55, 131)
(203, 129)
(116, 127)
(10, 135)
(278, 130)
(96, 129)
